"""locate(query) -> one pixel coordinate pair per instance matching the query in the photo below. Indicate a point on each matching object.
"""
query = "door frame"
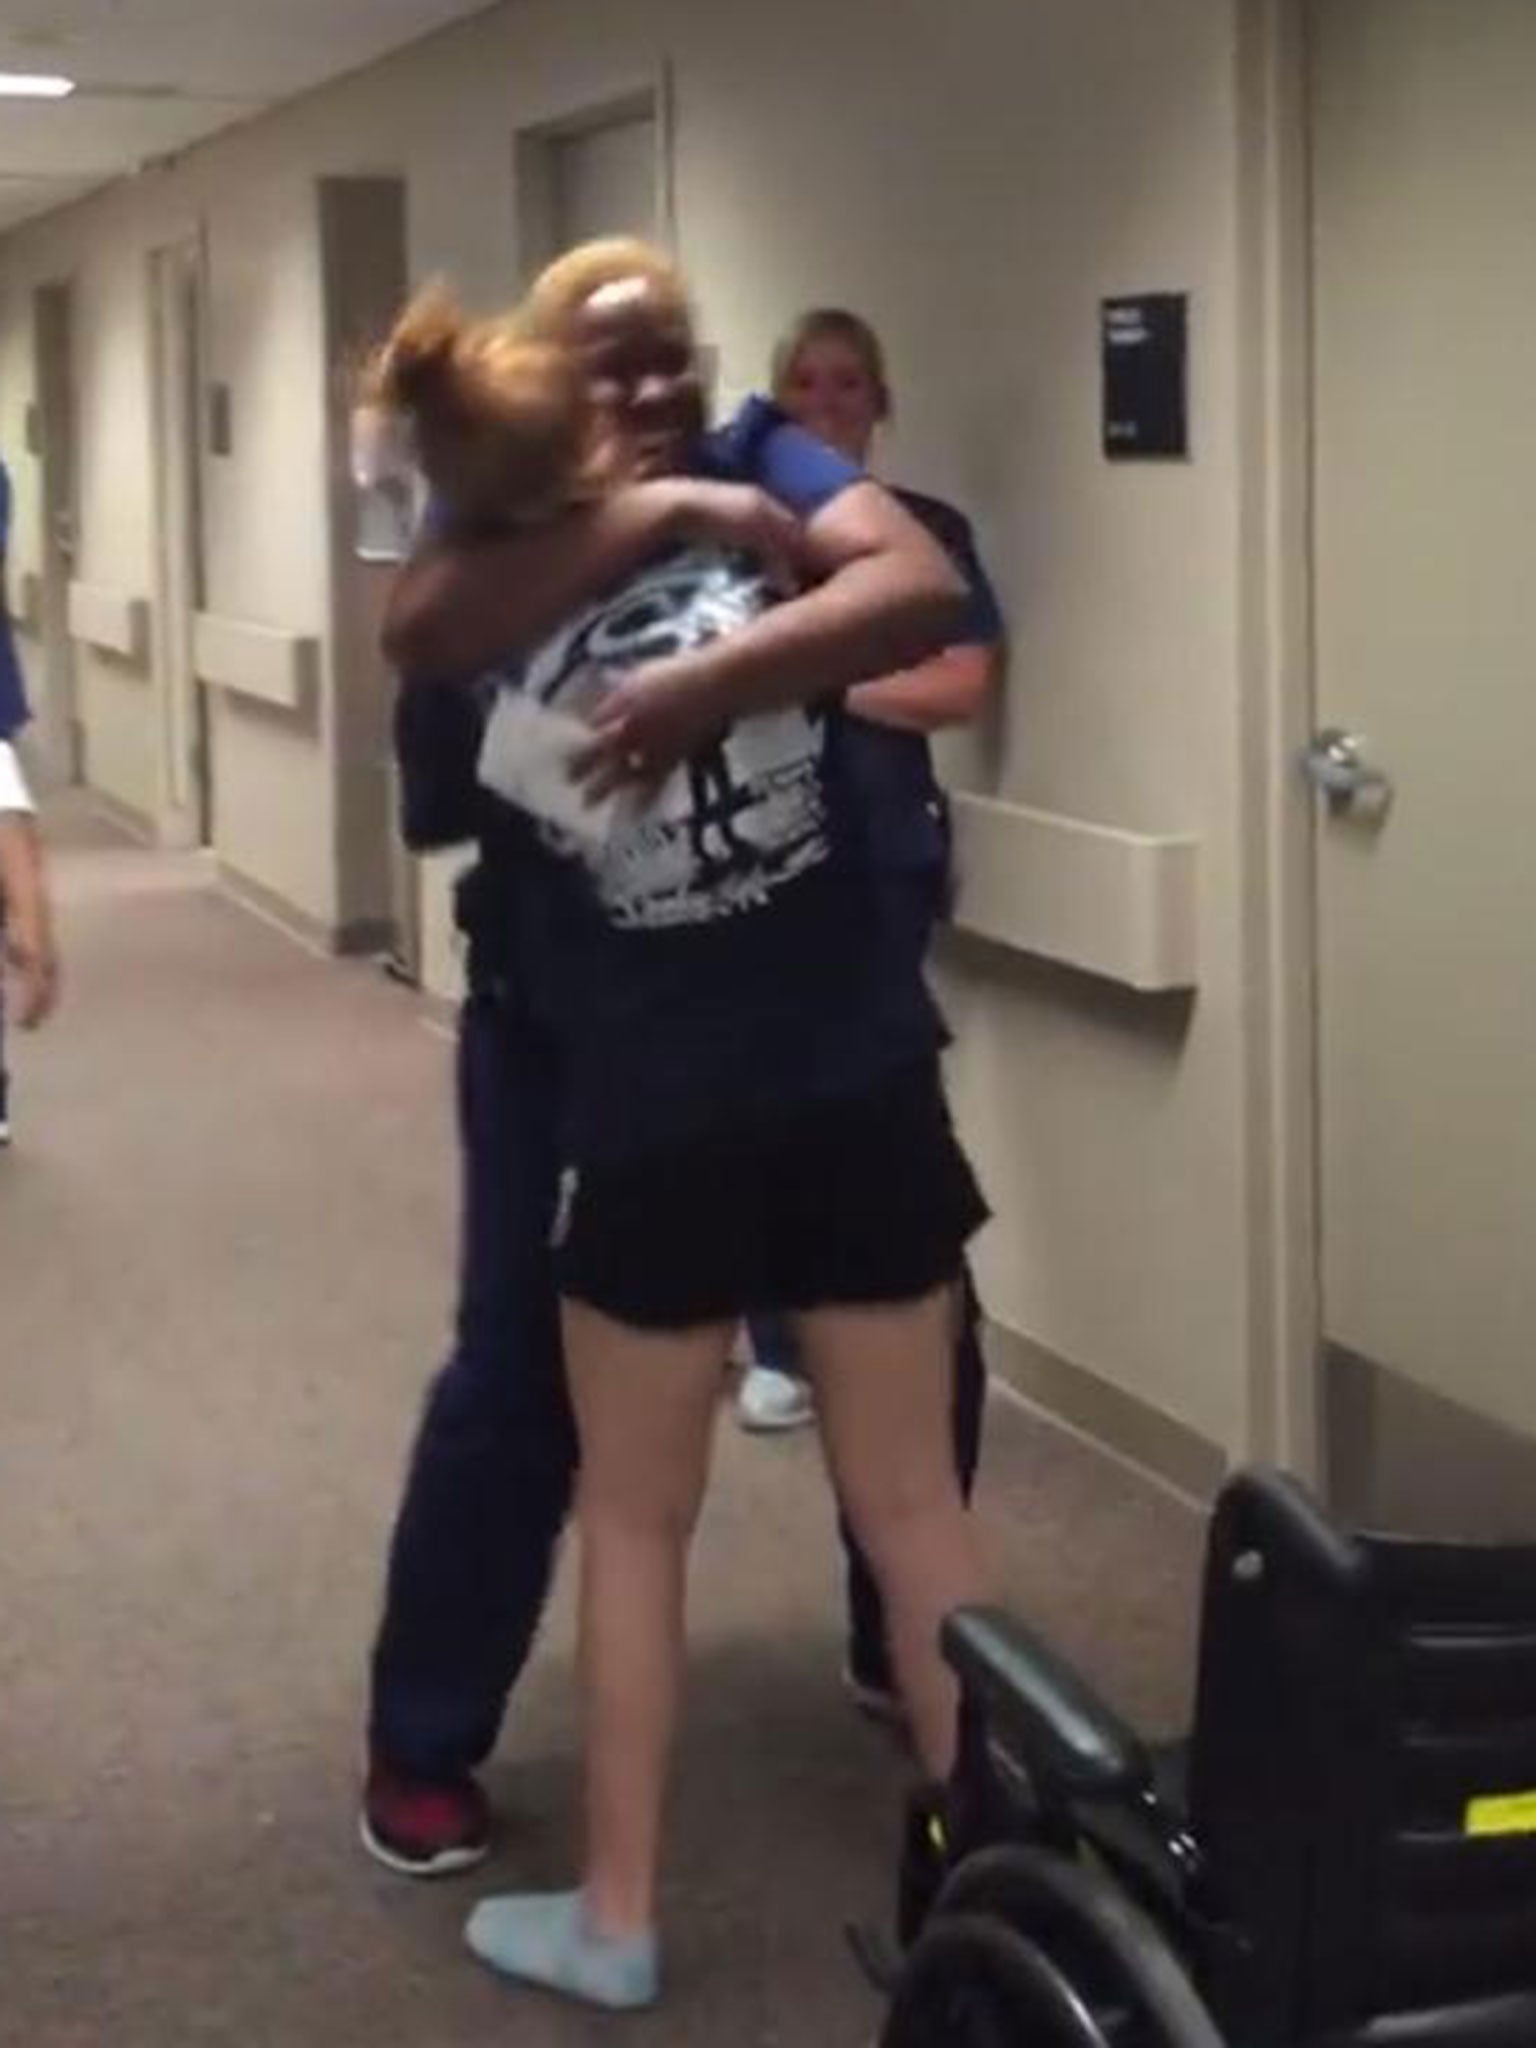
(54, 298)
(176, 283)
(363, 253)
(1277, 698)
(648, 94)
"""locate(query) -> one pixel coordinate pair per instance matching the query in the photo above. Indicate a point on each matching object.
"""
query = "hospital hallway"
(226, 1243)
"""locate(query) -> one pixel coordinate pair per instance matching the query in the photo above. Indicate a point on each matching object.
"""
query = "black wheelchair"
(1342, 1856)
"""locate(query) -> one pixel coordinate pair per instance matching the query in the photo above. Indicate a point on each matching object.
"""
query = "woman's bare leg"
(645, 1406)
(883, 1380)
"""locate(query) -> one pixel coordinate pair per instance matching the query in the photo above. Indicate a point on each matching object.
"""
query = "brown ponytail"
(413, 372)
(502, 425)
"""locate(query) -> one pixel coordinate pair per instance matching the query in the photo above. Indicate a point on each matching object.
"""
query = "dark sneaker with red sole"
(424, 1827)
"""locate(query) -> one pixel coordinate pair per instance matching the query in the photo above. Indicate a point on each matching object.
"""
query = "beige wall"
(975, 178)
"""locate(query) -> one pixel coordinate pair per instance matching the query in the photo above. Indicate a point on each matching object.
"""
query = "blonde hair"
(550, 310)
(833, 323)
(501, 422)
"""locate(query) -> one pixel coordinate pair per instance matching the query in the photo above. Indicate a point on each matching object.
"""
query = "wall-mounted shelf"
(1121, 905)
(262, 662)
(111, 621)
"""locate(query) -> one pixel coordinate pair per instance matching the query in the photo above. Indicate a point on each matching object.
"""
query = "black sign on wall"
(1146, 376)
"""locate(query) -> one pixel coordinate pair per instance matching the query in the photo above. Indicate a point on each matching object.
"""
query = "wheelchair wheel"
(972, 1982)
(1118, 1962)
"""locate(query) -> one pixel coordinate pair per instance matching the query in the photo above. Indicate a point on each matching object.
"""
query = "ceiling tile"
(156, 75)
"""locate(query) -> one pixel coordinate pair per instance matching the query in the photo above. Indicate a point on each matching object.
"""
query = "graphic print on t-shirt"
(736, 822)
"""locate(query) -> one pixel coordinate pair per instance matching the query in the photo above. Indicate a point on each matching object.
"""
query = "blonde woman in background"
(28, 962)
(830, 378)
(29, 967)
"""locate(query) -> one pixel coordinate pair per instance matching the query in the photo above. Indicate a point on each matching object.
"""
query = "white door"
(599, 174)
(605, 181)
(1425, 222)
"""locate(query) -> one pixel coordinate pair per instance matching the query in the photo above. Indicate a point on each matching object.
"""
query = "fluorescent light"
(34, 85)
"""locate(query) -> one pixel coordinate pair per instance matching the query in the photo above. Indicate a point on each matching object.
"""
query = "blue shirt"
(890, 772)
(13, 696)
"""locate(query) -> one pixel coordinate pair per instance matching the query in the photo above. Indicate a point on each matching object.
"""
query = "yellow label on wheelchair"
(1510, 1813)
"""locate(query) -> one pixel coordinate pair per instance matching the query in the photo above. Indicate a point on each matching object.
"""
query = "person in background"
(27, 955)
(29, 967)
(829, 377)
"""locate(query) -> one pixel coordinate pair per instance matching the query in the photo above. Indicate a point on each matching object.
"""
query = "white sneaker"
(770, 1402)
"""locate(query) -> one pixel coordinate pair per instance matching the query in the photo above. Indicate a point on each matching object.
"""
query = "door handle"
(1335, 763)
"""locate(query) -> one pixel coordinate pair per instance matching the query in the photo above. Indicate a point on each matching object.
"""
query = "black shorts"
(854, 1199)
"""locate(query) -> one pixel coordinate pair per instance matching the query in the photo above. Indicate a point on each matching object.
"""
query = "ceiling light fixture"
(34, 85)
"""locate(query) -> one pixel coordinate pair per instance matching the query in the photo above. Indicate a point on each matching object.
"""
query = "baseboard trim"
(137, 825)
(364, 938)
(310, 932)
(1411, 1459)
(355, 941)
(440, 1012)
(1156, 1443)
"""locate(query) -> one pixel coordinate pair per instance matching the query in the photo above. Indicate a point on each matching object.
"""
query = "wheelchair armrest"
(1071, 1742)
(1274, 1514)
